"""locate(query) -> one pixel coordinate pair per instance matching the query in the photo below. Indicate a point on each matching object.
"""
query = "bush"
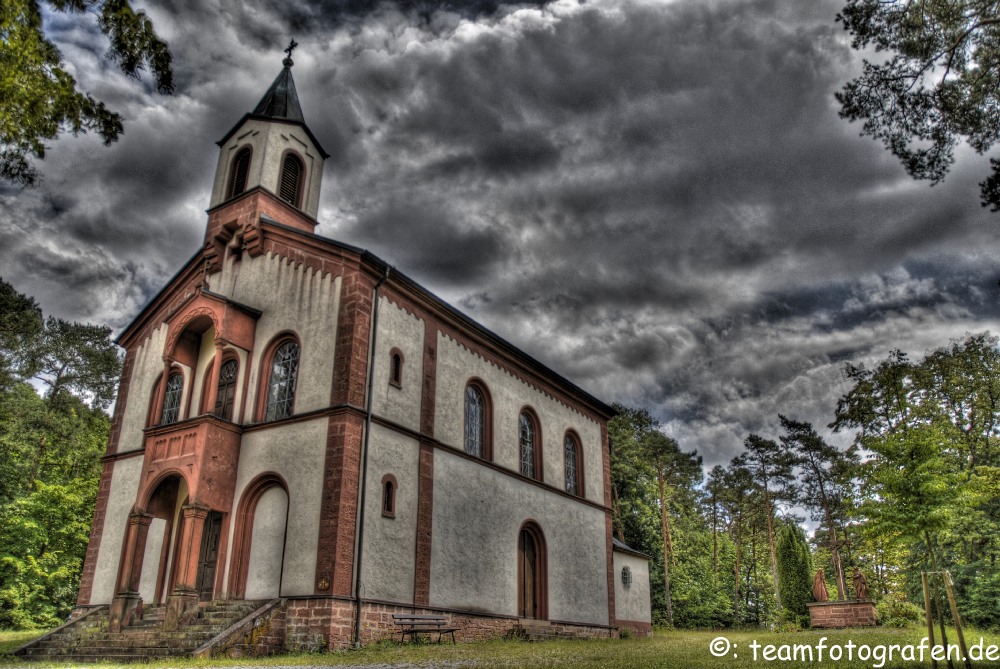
(895, 611)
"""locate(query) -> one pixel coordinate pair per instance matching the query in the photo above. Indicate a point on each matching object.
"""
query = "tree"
(20, 327)
(825, 477)
(771, 467)
(931, 484)
(672, 468)
(795, 572)
(940, 84)
(50, 456)
(40, 98)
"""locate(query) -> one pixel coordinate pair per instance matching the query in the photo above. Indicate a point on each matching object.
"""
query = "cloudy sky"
(656, 199)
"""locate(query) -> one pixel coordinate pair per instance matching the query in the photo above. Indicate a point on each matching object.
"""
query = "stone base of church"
(316, 624)
(852, 613)
(634, 628)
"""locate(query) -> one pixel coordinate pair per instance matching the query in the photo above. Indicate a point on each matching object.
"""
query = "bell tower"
(272, 148)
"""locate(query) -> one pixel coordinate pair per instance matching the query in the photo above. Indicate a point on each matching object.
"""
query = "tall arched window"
(172, 399)
(574, 465)
(281, 381)
(477, 421)
(239, 172)
(227, 390)
(289, 186)
(528, 441)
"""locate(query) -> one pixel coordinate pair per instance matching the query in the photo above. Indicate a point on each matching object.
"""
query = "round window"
(626, 577)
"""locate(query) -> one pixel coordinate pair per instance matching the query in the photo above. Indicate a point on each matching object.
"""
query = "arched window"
(396, 368)
(172, 399)
(227, 390)
(289, 186)
(389, 487)
(530, 453)
(477, 421)
(573, 465)
(281, 381)
(239, 172)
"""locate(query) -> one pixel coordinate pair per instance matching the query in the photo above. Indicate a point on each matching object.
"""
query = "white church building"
(299, 422)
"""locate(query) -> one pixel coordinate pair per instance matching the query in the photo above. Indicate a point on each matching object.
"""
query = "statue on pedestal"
(820, 593)
(860, 585)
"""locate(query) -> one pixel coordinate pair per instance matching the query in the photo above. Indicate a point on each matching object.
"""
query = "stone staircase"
(87, 639)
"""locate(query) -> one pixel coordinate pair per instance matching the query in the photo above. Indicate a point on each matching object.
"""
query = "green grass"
(11, 640)
(667, 649)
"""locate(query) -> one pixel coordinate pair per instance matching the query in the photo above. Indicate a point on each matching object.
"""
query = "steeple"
(272, 148)
(281, 100)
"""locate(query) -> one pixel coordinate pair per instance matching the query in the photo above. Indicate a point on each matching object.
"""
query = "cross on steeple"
(291, 47)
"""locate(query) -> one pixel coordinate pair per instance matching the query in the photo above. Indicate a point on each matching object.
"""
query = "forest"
(736, 546)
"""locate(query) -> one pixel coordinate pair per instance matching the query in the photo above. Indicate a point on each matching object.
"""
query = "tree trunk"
(668, 548)
(739, 554)
(770, 543)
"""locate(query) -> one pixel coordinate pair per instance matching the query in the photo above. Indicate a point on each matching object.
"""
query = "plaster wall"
(269, 140)
(151, 559)
(292, 298)
(457, 364)
(478, 513)
(390, 544)
(267, 545)
(146, 374)
(632, 603)
(398, 329)
(296, 452)
(121, 498)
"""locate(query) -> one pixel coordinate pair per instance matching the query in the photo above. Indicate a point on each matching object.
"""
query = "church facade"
(299, 421)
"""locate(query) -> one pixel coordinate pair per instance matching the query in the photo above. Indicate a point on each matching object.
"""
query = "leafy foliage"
(940, 83)
(40, 96)
(50, 450)
(932, 482)
(795, 572)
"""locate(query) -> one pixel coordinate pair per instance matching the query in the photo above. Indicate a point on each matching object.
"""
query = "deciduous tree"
(40, 98)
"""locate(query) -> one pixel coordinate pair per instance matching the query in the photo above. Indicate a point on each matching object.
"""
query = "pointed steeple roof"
(280, 103)
(281, 100)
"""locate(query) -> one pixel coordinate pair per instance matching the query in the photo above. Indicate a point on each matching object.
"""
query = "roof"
(621, 547)
(280, 103)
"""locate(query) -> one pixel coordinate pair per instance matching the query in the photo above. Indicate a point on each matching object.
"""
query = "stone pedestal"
(850, 613)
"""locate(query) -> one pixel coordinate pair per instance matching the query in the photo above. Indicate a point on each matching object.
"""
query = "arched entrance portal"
(164, 506)
(532, 573)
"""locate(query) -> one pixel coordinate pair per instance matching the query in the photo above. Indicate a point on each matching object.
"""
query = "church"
(301, 424)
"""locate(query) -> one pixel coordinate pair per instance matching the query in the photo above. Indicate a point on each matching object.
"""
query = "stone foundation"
(852, 613)
(317, 624)
(634, 628)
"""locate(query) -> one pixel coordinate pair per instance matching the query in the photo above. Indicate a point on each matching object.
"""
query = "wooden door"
(528, 576)
(209, 555)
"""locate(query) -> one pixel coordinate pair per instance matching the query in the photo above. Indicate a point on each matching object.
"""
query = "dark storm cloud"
(656, 199)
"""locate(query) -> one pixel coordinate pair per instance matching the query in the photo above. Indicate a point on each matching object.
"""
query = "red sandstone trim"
(339, 503)
(96, 530)
(428, 394)
(425, 515)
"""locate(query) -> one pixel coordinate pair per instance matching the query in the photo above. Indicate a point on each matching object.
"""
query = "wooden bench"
(414, 625)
